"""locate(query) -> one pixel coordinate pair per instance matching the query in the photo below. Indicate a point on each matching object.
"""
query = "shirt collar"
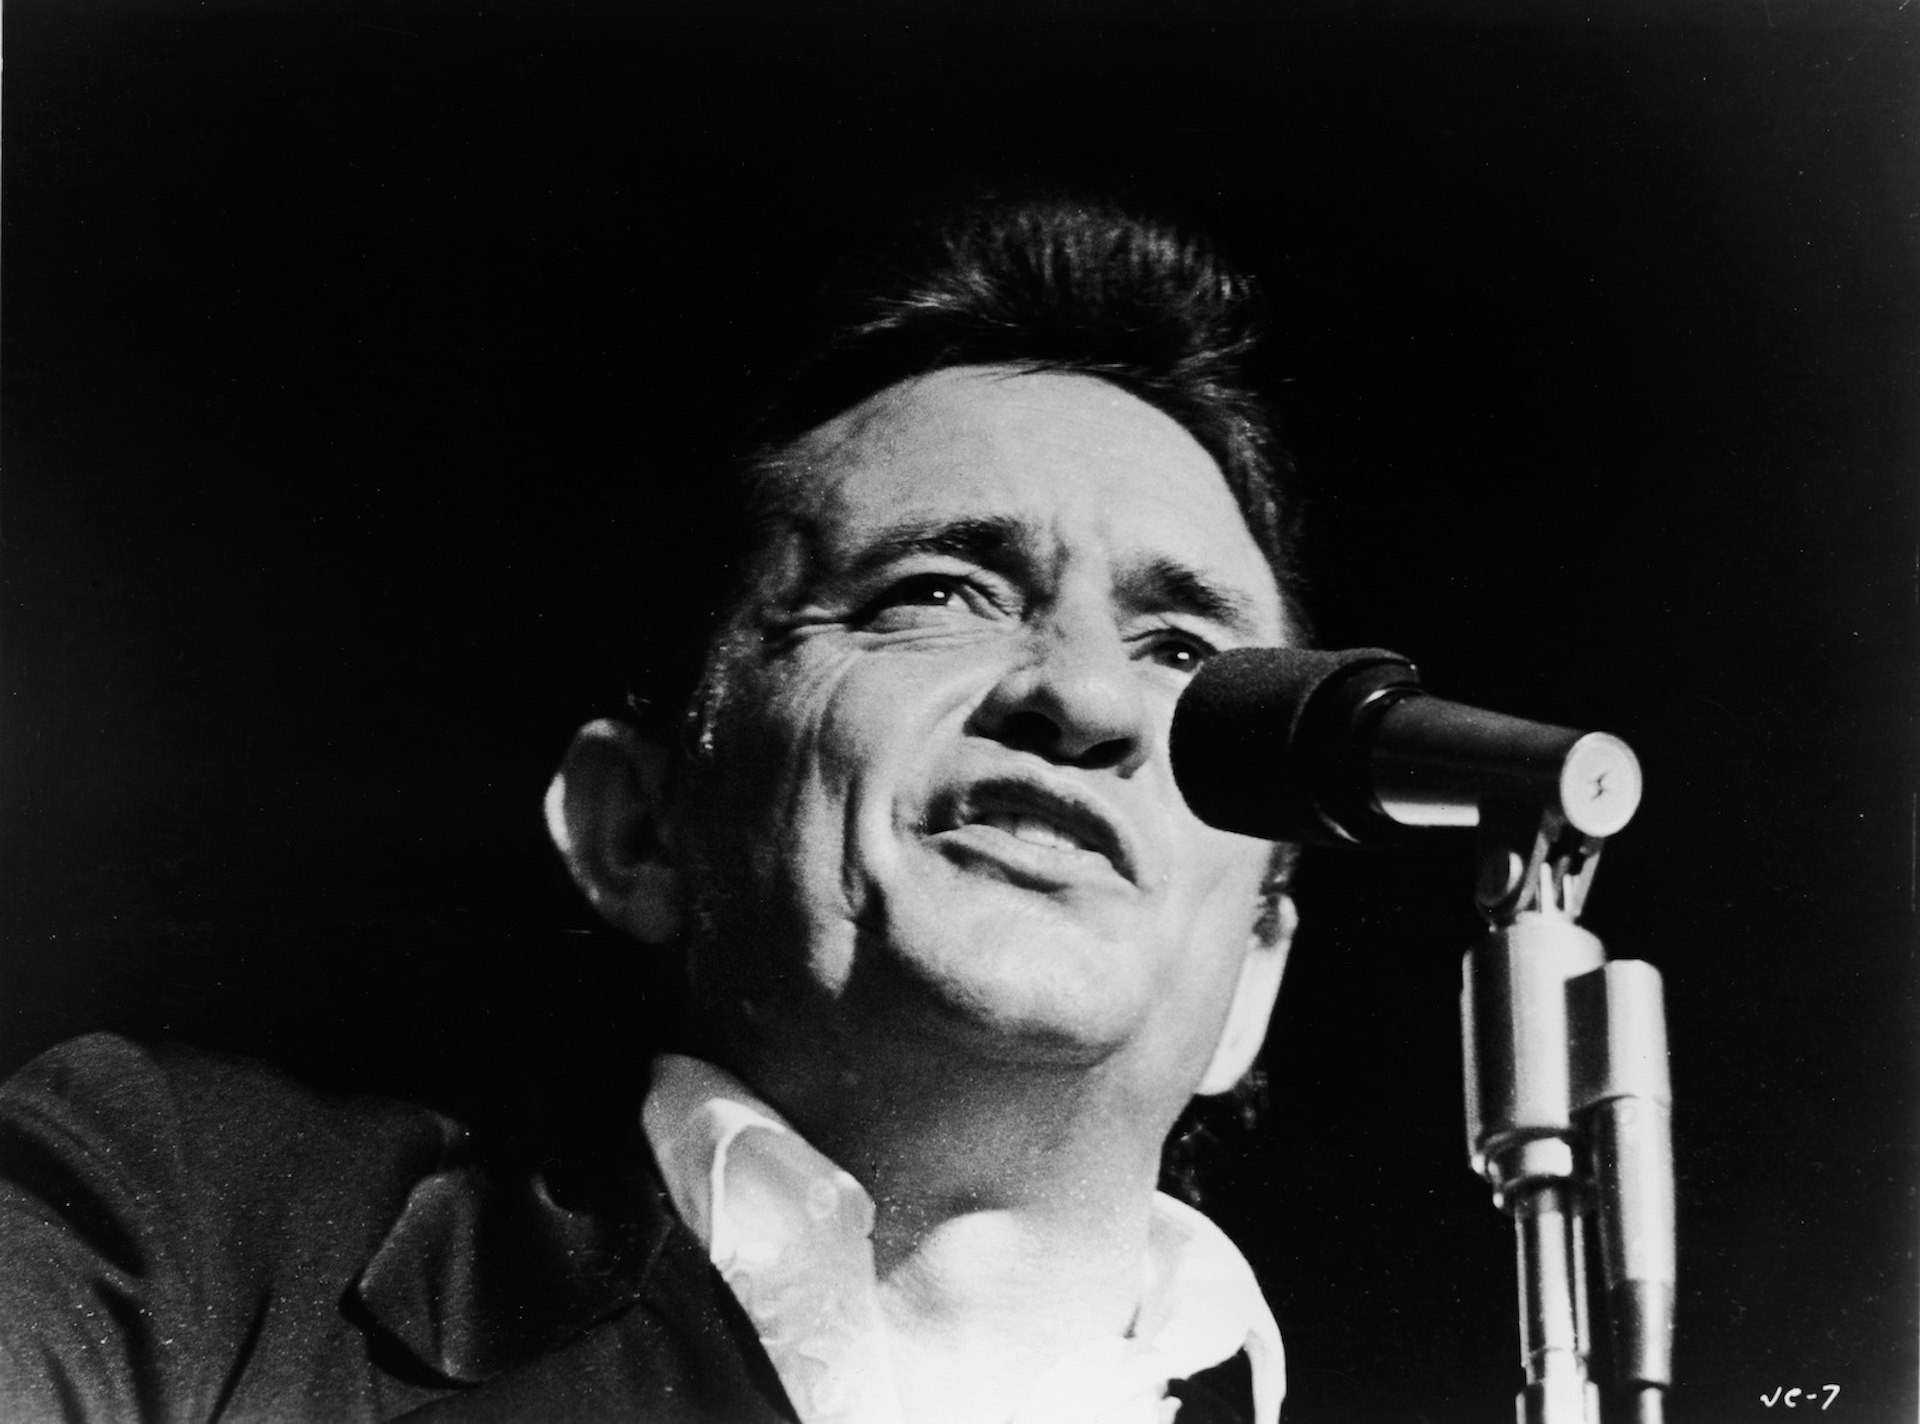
(789, 1233)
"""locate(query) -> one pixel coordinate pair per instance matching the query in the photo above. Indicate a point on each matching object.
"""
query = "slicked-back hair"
(1054, 285)
(1062, 286)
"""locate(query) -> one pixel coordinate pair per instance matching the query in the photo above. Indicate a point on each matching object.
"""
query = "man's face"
(939, 801)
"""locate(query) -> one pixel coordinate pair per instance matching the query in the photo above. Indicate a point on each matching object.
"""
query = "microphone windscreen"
(1258, 744)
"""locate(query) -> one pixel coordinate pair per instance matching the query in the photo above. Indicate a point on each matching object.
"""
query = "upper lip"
(1066, 807)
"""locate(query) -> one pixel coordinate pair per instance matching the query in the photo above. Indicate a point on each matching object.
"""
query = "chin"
(1025, 982)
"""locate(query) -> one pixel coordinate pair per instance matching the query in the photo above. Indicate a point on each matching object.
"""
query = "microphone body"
(1346, 748)
(1565, 1053)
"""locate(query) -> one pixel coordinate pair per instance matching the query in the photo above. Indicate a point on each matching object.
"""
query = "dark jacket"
(185, 1237)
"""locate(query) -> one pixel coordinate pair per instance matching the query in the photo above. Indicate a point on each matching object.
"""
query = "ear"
(607, 814)
(1253, 1000)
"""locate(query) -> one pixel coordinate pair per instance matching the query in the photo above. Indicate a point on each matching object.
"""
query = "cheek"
(805, 747)
(1229, 883)
(764, 849)
(876, 722)
(1219, 924)
(769, 755)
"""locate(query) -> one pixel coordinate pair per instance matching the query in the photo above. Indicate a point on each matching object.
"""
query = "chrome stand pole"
(1567, 1119)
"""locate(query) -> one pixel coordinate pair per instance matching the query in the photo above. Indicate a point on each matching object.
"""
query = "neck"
(1011, 1208)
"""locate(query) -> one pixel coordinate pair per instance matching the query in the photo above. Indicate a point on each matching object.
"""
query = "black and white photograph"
(940, 713)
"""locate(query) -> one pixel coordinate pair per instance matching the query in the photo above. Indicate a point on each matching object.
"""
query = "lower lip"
(1039, 867)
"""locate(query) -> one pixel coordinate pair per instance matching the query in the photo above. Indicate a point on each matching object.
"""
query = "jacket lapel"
(602, 1307)
(479, 1272)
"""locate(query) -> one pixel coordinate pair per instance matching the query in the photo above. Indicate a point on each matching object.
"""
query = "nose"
(1076, 698)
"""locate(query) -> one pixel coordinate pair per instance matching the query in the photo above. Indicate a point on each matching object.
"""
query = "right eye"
(924, 600)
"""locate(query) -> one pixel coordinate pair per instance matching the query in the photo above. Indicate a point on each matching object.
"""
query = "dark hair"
(1062, 286)
(1053, 285)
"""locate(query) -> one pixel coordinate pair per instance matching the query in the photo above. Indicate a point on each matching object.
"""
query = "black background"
(333, 331)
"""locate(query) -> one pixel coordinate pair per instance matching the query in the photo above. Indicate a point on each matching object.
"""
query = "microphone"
(1344, 748)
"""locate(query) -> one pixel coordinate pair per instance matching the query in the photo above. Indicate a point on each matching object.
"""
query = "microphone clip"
(1531, 859)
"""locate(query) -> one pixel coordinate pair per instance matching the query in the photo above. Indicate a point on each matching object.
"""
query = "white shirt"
(790, 1234)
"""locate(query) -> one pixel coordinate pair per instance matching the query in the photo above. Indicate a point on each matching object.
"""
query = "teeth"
(1034, 830)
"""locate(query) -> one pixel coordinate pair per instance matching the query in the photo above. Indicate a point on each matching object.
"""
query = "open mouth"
(1050, 824)
(1034, 830)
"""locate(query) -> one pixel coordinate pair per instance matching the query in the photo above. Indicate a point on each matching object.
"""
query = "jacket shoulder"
(168, 1216)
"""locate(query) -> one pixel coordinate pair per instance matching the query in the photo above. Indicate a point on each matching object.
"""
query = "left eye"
(1183, 652)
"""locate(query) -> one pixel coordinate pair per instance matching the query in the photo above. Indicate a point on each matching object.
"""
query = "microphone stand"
(1567, 1103)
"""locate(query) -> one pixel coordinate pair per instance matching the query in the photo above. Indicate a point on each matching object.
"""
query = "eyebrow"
(1167, 585)
(990, 541)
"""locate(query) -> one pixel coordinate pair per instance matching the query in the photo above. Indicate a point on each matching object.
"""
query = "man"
(956, 954)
